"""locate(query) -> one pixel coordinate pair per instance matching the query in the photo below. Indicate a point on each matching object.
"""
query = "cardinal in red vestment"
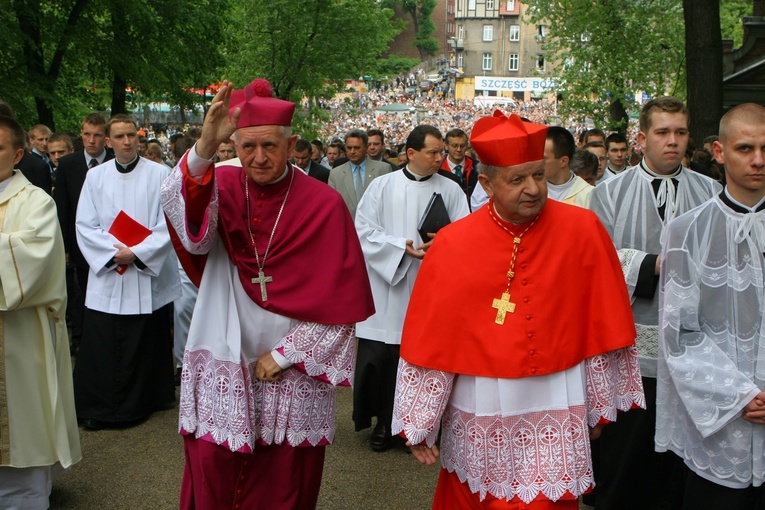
(506, 349)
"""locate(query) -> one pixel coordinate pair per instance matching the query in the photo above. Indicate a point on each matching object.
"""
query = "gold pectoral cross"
(503, 306)
(262, 279)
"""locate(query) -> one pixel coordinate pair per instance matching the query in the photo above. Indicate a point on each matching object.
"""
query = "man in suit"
(352, 178)
(70, 177)
(376, 147)
(301, 155)
(458, 163)
(33, 167)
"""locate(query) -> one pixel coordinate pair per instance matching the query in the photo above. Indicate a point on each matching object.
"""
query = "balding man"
(509, 356)
(275, 334)
(711, 378)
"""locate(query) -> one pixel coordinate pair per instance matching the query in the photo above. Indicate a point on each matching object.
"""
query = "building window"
(460, 59)
(488, 33)
(515, 32)
(541, 32)
(540, 62)
(513, 62)
(489, 5)
(471, 5)
(460, 32)
(486, 62)
(510, 6)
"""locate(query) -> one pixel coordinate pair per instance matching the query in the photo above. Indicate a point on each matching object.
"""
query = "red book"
(129, 232)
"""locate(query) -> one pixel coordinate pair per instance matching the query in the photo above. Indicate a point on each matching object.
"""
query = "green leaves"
(611, 49)
(306, 49)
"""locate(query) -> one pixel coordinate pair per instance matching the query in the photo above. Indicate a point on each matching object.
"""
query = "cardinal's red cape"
(570, 295)
(315, 258)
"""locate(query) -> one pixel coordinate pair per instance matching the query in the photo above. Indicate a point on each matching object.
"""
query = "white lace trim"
(506, 455)
(537, 453)
(224, 400)
(322, 350)
(604, 398)
(647, 341)
(174, 205)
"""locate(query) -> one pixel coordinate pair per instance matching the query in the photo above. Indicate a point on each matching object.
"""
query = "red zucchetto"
(506, 141)
(259, 107)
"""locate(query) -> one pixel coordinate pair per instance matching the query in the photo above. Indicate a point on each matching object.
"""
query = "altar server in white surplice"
(124, 367)
(386, 221)
(635, 206)
(711, 380)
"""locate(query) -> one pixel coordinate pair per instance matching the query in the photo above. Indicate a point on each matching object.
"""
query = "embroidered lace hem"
(224, 400)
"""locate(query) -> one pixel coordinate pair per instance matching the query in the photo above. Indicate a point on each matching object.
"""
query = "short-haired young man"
(616, 152)
(635, 207)
(124, 369)
(711, 382)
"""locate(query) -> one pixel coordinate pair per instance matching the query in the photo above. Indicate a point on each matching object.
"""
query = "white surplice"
(712, 343)
(105, 193)
(221, 399)
(629, 209)
(517, 437)
(386, 217)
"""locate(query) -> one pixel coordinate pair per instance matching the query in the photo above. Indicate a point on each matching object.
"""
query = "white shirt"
(105, 193)
(388, 215)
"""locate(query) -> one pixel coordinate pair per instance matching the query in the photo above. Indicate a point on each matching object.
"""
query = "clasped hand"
(124, 255)
(419, 252)
(267, 369)
(754, 412)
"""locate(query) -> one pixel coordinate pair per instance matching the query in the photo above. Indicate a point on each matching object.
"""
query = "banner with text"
(505, 84)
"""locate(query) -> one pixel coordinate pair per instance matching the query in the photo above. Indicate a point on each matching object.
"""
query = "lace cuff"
(322, 351)
(613, 384)
(421, 397)
(174, 203)
(630, 261)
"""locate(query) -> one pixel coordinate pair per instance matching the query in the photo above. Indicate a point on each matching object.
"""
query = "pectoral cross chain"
(262, 279)
(503, 306)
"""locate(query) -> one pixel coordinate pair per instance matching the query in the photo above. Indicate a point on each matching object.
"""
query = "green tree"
(306, 49)
(731, 12)
(394, 65)
(421, 11)
(62, 58)
(608, 50)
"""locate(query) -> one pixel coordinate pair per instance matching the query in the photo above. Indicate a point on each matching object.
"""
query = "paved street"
(141, 468)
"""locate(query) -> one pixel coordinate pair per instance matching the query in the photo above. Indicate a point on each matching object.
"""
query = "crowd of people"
(556, 314)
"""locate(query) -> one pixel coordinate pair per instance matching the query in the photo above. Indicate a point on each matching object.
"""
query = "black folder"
(434, 217)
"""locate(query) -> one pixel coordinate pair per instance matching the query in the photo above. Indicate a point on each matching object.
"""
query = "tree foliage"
(60, 59)
(394, 65)
(731, 12)
(610, 49)
(420, 11)
(307, 49)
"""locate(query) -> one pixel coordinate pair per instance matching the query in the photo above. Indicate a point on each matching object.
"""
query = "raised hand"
(218, 125)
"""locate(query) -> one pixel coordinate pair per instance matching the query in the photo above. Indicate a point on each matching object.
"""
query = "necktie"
(458, 171)
(93, 162)
(357, 181)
